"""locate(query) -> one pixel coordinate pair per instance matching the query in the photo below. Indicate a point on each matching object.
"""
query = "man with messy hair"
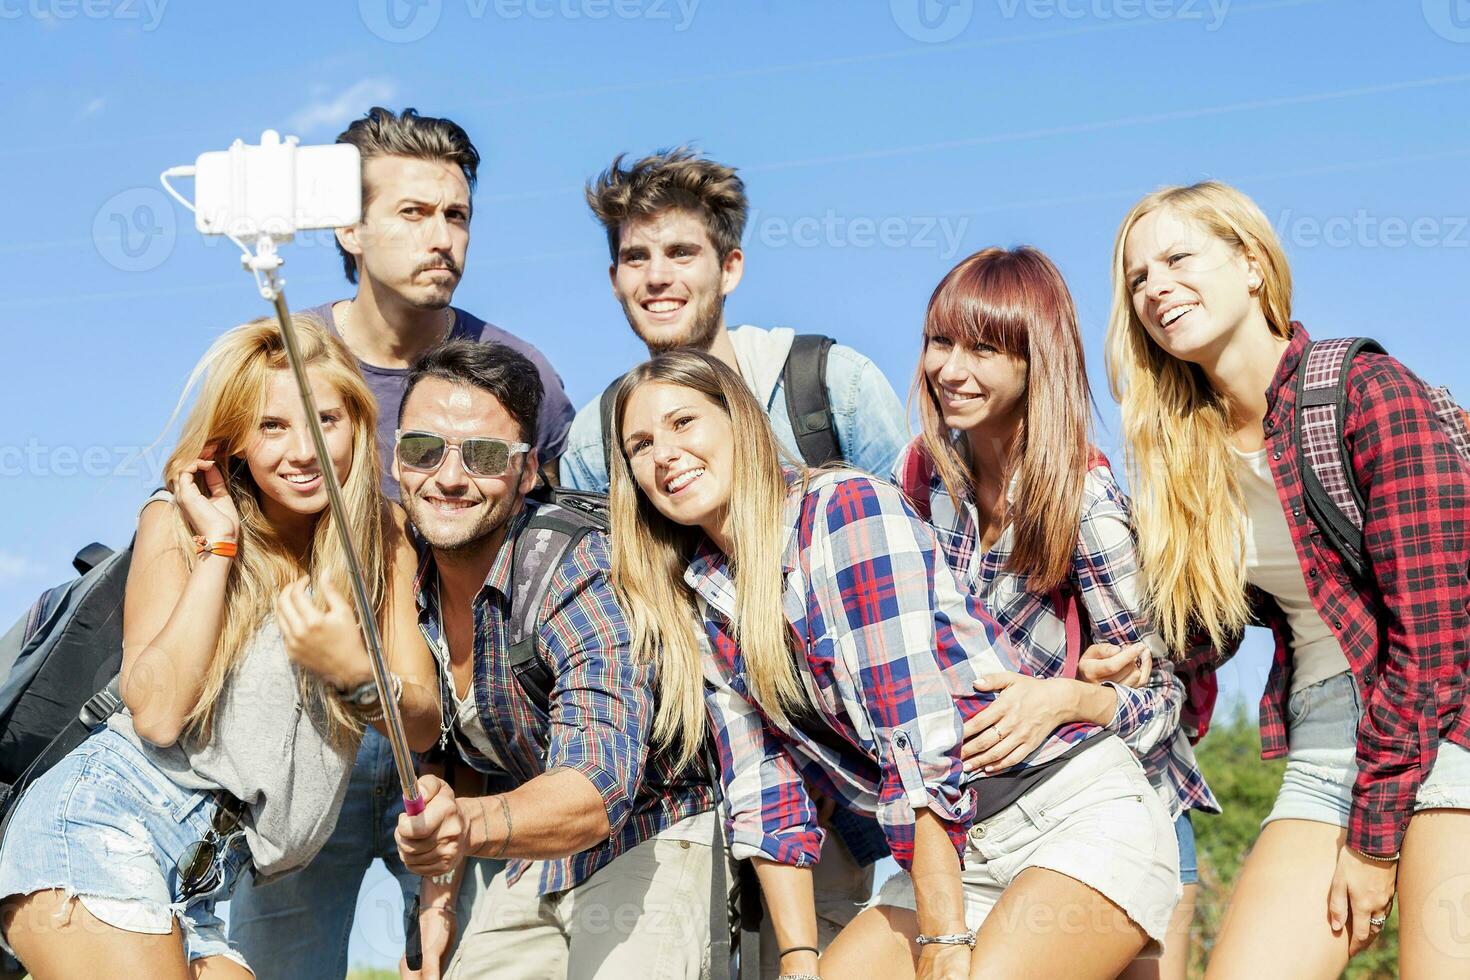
(674, 221)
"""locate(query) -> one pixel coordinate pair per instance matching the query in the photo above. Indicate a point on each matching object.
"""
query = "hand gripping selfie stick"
(269, 192)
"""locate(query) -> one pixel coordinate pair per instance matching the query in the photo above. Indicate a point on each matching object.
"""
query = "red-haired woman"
(1031, 517)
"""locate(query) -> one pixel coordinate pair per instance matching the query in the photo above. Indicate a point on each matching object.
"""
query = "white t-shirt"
(1271, 565)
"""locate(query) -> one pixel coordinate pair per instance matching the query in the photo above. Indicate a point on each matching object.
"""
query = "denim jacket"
(872, 426)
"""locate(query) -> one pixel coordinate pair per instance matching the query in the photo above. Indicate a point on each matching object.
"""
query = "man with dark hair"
(673, 222)
(406, 256)
(603, 848)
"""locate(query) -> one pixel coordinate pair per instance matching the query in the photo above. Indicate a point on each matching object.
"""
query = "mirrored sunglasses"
(479, 455)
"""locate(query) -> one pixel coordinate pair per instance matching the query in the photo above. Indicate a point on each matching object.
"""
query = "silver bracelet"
(966, 938)
(798, 976)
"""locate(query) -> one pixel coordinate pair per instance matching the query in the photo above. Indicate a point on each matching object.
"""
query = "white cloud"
(17, 568)
(334, 112)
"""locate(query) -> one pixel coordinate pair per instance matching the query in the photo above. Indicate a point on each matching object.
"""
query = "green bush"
(1230, 758)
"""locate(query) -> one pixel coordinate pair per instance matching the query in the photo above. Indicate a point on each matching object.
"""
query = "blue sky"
(880, 141)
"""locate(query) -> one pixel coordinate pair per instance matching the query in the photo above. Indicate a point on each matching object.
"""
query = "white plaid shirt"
(1105, 574)
(892, 643)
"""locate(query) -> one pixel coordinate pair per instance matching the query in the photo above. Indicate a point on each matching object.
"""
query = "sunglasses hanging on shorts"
(197, 868)
(479, 455)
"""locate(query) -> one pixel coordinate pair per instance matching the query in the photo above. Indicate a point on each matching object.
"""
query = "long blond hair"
(232, 379)
(1187, 503)
(650, 553)
(1017, 301)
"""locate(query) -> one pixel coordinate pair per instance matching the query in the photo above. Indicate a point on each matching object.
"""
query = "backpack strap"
(553, 531)
(605, 413)
(1069, 598)
(1075, 637)
(804, 377)
(914, 480)
(90, 557)
(1332, 496)
(1453, 419)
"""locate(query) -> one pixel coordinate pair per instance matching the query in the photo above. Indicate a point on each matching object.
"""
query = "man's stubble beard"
(474, 538)
(709, 320)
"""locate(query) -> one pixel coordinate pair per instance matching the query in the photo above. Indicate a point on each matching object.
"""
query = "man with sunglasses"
(602, 847)
(405, 258)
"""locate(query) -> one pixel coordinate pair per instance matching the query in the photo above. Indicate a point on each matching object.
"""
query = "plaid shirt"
(1105, 575)
(1406, 633)
(891, 643)
(601, 704)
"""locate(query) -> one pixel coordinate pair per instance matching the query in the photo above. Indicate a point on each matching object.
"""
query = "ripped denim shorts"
(1322, 758)
(108, 828)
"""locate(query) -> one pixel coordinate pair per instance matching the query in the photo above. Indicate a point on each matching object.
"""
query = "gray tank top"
(269, 751)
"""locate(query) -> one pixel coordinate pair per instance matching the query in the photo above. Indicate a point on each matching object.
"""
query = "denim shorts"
(1097, 820)
(108, 828)
(1188, 858)
(1321, 759)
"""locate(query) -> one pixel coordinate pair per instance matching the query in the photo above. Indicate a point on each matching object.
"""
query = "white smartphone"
(277, 188)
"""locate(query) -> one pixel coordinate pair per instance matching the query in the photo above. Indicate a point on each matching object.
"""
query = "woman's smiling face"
(281, 457)
(680, 446)
(1189, 288)
(974, 384)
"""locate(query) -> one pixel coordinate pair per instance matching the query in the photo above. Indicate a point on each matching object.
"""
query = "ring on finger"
(1377, 922)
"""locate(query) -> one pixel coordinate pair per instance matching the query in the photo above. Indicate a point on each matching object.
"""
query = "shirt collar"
(426, 579)
(708, 573)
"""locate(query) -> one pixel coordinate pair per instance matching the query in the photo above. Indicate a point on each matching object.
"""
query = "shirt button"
(1337, 624)
(1312, 572)
(977, 832)
(1296, 512)
(684, 844)
(1276, 454)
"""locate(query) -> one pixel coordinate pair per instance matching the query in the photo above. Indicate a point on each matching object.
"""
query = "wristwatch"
(364, 695)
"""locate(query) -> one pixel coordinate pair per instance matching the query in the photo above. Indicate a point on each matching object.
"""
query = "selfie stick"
(264, 265)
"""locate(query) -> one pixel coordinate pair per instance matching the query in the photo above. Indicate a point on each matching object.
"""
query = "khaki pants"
(645, 916)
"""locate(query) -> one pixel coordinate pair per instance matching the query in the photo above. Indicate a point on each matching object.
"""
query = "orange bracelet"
(225, 549)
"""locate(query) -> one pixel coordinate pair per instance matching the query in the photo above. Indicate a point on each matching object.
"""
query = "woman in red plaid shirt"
(1365, 695)
(1032, 519)
(809, 620)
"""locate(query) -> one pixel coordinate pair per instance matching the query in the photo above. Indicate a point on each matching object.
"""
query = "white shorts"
(1097, 821)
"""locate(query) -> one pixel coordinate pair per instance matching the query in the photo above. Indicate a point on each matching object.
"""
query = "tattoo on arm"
(509, 827)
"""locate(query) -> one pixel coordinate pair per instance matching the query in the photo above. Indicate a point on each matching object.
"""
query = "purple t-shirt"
(387, 385)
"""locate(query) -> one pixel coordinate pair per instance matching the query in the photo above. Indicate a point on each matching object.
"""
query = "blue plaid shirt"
(891, 643)
(1105, 575)
(601, 714)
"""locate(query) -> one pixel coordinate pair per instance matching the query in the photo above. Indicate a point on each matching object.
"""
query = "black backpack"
(60, 663)
(804, 378)
(562, 519)
(1333, 499)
